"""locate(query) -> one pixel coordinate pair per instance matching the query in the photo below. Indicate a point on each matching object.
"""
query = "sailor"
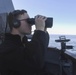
(18, 57)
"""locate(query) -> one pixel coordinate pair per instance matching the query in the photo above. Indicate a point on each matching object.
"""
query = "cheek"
(25, 26)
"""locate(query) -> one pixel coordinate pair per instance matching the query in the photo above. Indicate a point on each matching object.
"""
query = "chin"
(28, 33)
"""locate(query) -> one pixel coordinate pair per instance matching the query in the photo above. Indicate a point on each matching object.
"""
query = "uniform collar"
(15, 38)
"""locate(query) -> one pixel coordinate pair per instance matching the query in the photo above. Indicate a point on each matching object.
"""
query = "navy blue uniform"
(22, 57)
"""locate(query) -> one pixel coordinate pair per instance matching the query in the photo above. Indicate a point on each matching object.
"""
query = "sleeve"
(37, 47)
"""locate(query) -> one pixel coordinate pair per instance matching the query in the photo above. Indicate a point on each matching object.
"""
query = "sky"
(62, 11)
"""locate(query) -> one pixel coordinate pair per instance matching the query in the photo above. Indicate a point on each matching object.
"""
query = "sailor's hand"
(40, 22)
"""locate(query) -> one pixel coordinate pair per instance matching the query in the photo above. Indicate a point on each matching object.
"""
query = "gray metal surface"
(6, 6)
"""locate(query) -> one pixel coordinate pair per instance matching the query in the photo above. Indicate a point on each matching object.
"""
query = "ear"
(16, 23)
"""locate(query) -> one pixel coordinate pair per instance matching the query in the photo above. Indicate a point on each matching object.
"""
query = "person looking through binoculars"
(18, 55)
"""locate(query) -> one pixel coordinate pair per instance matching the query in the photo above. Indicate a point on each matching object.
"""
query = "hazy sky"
(62, 11)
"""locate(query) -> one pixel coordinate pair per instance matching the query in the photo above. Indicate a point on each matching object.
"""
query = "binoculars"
(48, 22)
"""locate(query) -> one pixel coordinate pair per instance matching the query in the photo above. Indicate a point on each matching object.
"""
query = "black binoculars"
(48, 22)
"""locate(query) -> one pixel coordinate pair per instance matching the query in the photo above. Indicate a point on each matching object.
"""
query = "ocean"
(54, 37)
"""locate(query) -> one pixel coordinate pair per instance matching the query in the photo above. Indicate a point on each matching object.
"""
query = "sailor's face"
(25, 27)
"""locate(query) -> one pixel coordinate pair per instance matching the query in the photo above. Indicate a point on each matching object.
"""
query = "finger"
(40, 17)
(37, 16)
(45, 18)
